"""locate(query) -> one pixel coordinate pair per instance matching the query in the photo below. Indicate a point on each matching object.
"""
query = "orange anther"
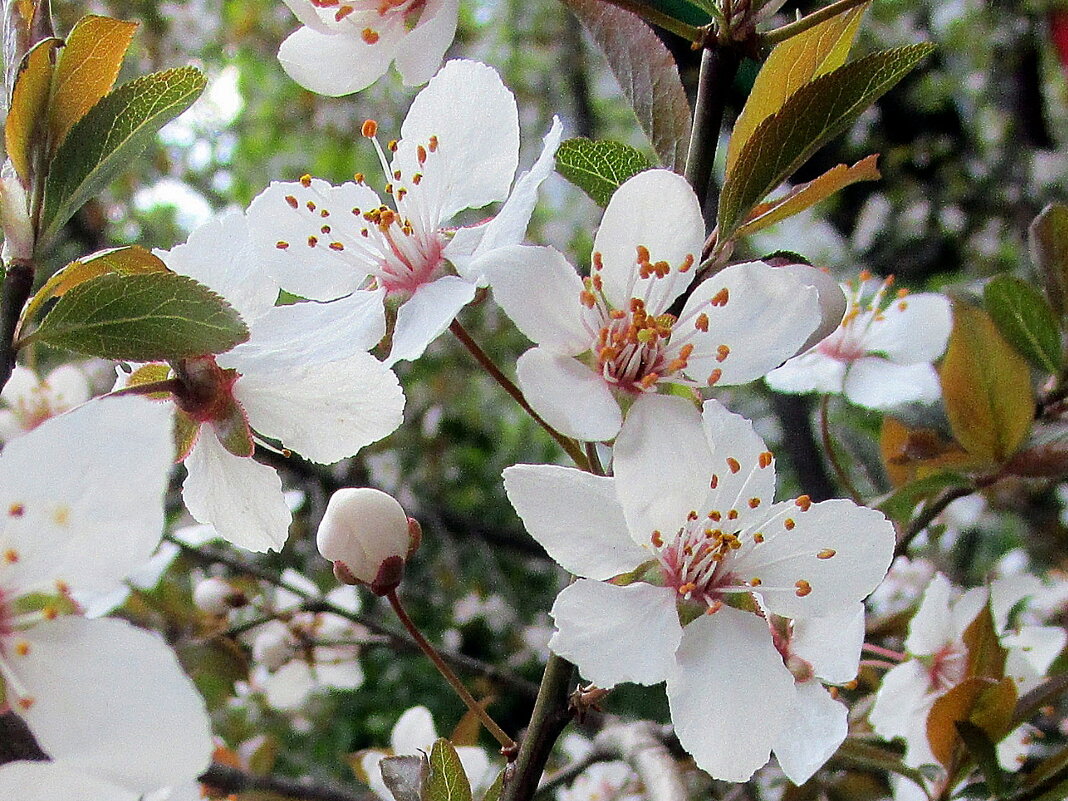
(803, 588)
(305, 180)
(281, 244)
(722, 352)
(313, 241)
(826, 553)
(733, 464)
(721, 297)
(765, 459)
(804, 502)
(292, 201)
(754, 503)
(714, 376)
(789, 524)
(336, 246)
(701, 324)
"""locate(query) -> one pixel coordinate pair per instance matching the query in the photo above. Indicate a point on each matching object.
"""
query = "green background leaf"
(1026, 320)
(1048, 237)
(812, 115)
(150, 317)
(598, 167)
(111, 133)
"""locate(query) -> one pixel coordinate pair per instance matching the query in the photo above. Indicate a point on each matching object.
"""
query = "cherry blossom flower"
(733, 328)
(304, 378)
(107, 701)
(940, 658)
(683, 558)
(29, 401)
(459, 149)
(346, 45)
(880, 356)
(413, 734)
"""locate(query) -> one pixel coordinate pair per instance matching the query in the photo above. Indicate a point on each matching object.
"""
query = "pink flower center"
(867, 303)
(632, 346)
(354, 14)
(947, 667)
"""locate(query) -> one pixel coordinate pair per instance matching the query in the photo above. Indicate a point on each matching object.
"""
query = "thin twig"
(231, 780)
(394, 639)
(569, 445)
(719, 64)
(930, 511)
(18, 282)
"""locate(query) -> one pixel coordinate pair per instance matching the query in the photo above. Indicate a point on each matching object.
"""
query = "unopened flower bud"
(15, 216)
(368, 537)
(274, 646)
(215, 596)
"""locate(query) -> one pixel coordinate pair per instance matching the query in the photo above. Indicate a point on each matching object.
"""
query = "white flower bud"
(216, 596)
(15, 216)
(367, 532)
(274, 645)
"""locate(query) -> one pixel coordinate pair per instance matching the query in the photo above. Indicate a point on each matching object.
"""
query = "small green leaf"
(986, 387)
(902, 502)
(985, 755)
(447, 780)
(149, 317)
(808, 119)
(109, 136)
(1026, 320)
(494, 791)
(1048, 238)
(598, 167)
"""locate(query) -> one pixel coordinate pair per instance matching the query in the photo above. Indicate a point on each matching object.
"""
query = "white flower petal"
(288, 687)
(914, 329)
(112, 698)
(617, 634)
(882, 385)
(426, 314)
(662, 464)
(413, 732)
(539, 291)
(1031, 652)
(509, 226)
(832, 300)
(730, 693)
(289, 337)
(220, 255)
(743, 470)
(809, 372)
(657, 209)
(51, 781)
(762, 315)
(816, 728)
(576, 517)
(901, 708)
(337, 64)
(90, 514)
(476, 125)
(325, 412)
(820, 561)
(477, 766)
(831, 644)
(21, 387)
(931, 627)
(281, 230)
(568, 395)
(420, 52)
(240, 497)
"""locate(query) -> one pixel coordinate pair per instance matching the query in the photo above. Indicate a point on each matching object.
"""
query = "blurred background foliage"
(972, 148)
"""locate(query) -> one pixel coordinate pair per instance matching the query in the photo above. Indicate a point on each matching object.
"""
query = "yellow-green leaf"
(1049, 249)
(809, 118)
(447, 780)
(129, 260)
(986, 386)
(86, 70)
(791, 65)
(809, 194)
(1026, 320)
(598, 167)
(29, 103)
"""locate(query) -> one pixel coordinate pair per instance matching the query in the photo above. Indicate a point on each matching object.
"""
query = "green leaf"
(598, 167)
(902, 502)
(109, 136)
(811, 116)
(494, 791)
(149, 317)
(646, 73)
(985, 755)
(1048, 238)
(986, 387)
(447, 780)
(856, 752)
(1026, 320)
(789, 66)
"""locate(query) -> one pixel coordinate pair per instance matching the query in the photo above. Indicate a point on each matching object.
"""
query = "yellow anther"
(715, 515)
(732, 514)
(25, 703)
(305, 180)
(657, 539)
(758, 537)
(826, 553)
(311, 205)
(789, 524)
(369, 35)
(336, 246)
(755, 582)
(587, 299)
(22, 648)
(343, 12)
(50, 613)
(358, 178)
(313, 241)
(754, 503)
(11, 556)
(281, 244)
(687, 263)
(325, 229)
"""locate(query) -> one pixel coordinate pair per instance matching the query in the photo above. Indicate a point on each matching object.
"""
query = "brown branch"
(231, 780)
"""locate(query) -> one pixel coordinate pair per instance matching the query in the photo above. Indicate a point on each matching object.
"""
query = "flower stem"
(551, 714)
(832, 454)
(650, 14)
(778, 35)
(507, 743)
(569, 445)
(895, 656)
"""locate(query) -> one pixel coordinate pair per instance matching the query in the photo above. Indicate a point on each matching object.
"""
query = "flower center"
(632, 346)
(207, 390)
(947, 668)
(867, 301)
(346, 14)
